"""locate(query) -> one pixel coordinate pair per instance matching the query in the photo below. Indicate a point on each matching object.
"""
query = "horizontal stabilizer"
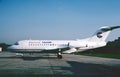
(109, 28)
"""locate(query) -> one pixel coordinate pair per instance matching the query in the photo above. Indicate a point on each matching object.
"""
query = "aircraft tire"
(59, 56)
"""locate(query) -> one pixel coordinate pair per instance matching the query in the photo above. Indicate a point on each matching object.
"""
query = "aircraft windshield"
(16, 43)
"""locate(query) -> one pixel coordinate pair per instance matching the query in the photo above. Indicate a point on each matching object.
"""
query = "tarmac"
(48, 65)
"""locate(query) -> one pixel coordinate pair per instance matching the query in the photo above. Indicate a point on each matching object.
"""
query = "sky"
(56, 19)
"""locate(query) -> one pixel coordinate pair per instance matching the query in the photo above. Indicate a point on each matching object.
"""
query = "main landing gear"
(59, 55)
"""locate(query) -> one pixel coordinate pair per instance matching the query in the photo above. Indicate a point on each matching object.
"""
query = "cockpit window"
(16, 43)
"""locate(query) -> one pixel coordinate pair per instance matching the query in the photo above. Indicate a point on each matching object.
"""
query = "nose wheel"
(59, 55)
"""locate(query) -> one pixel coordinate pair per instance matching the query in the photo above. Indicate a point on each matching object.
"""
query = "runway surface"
(48, 65)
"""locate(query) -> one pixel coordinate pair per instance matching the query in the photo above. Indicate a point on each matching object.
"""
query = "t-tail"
(102, 34)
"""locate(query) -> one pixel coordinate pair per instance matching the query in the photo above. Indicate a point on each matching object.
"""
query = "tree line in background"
(4, 46)
(111, 47)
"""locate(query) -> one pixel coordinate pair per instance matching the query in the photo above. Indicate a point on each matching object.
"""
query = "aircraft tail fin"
(102, 33)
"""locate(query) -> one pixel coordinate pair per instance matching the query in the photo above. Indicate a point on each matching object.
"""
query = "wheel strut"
(59, 55)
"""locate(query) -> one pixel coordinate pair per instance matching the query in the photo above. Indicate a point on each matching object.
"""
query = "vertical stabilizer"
(102, 33)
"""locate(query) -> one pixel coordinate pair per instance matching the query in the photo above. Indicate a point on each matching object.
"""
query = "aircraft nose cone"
(10, 47)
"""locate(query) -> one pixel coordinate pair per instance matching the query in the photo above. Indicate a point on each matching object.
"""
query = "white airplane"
(79, 45)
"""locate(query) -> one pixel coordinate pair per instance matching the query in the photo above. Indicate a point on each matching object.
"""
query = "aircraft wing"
(70, 50)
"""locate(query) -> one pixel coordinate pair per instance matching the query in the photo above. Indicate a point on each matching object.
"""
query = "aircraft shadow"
(79, 69)
(36, 58)
(30, 57)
